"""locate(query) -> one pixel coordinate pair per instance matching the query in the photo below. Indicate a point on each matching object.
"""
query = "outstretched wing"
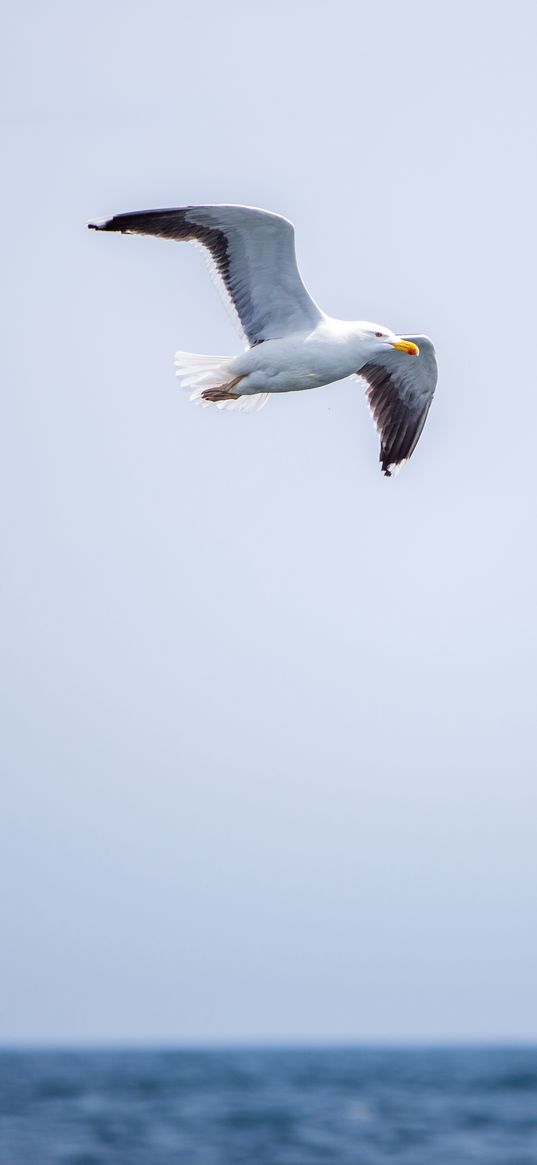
(400, 389)
(253, 252)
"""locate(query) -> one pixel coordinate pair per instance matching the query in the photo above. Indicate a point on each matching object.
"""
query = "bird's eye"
(379, 335)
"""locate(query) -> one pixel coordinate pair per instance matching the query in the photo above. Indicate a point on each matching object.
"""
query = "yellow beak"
(407, 346)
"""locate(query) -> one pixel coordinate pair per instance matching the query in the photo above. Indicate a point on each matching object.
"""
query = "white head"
(378, 340)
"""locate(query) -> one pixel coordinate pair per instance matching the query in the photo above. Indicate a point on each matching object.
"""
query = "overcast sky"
(268, 744)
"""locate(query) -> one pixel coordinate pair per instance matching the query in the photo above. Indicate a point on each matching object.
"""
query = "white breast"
(329, 352)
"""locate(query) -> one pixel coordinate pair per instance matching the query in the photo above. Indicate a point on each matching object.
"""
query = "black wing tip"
(386, 463)
(118, 222)
(106, 224)
(164, 223)
(390, 465)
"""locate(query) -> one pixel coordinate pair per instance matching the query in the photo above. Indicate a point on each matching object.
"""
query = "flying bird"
(291, 344)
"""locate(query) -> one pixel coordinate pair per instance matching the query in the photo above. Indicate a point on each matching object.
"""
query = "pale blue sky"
(269, 747)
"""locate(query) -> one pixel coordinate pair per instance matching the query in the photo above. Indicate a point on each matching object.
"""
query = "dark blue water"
(353, 1107)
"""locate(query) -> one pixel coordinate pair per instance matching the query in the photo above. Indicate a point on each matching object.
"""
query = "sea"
(350, 1106)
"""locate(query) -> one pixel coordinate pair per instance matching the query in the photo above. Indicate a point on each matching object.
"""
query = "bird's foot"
(223, 392)
(216, 394)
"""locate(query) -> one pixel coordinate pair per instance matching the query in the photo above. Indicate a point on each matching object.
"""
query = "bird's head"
(377, 340)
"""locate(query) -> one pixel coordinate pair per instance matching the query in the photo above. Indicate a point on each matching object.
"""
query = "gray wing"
(253, 252)
(400, 389)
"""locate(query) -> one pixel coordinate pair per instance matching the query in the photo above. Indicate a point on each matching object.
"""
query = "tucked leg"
(223, 392)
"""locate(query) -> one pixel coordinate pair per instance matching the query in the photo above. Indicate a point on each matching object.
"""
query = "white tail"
(197, 373)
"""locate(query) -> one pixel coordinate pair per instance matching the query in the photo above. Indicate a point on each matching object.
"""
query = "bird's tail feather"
(198, 373)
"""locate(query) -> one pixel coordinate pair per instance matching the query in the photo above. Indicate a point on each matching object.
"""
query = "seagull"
(290, 343)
